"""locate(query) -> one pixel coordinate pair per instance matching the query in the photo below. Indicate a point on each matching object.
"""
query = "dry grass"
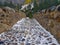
(8, 19)
(51, 22)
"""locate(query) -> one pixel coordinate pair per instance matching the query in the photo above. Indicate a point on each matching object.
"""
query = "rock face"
(9, 9)
(27, 32)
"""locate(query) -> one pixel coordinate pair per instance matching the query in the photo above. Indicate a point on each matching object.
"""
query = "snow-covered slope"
(27, 32)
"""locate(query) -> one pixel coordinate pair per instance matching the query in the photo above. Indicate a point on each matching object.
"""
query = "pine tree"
(5, 3)
(47, 3)
(28, 12)
(58, 1)
(35, 9)
(1, 4)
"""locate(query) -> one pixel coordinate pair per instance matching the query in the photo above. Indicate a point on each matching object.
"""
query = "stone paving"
(27, 32)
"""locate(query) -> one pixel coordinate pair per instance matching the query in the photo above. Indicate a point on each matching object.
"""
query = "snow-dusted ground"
(27, 32)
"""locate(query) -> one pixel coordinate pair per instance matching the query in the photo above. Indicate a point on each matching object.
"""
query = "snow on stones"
(27, 32)
(26, 6)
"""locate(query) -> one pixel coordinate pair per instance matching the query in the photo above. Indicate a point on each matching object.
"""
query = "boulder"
(58, 8)
(9, 9)
(52, 8)
(44, 10)
(1, 10)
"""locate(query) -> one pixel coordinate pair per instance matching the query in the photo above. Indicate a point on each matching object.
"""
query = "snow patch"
(28, 31)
